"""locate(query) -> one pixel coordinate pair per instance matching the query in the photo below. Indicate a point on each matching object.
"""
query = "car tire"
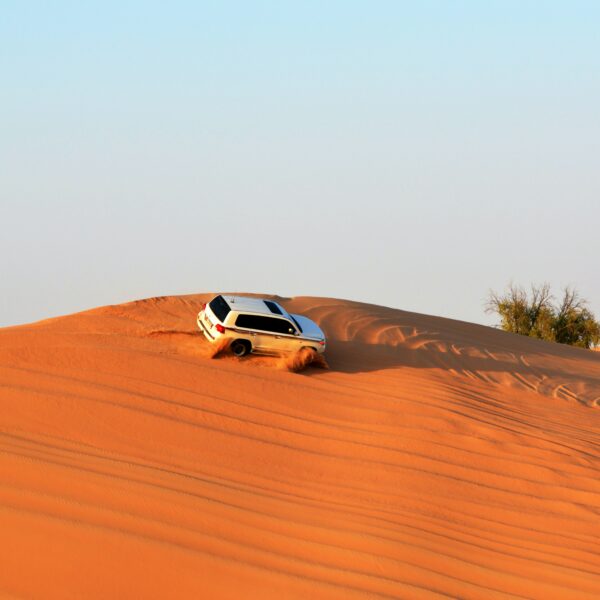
(240, 348)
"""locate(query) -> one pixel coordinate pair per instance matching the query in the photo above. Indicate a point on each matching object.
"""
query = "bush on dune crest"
(536, 315)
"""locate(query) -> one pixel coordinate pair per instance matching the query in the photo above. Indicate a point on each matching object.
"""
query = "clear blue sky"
(412, 154)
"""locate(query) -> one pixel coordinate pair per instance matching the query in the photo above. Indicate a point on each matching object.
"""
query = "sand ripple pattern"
(434, 459)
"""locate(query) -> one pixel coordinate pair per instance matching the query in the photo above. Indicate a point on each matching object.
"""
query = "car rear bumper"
(209, 336)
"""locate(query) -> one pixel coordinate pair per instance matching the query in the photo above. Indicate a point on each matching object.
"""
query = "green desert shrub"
(535, 314)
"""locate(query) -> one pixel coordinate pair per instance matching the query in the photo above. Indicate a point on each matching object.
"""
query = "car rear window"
(264, 323)
(220, 307)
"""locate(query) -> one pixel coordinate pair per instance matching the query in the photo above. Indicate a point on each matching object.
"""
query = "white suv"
(255, 325)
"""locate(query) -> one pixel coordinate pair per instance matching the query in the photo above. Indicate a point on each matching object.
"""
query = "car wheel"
(240, 348)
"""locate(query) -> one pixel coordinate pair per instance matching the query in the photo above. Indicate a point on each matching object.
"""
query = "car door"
(274, 335)
(286, 338)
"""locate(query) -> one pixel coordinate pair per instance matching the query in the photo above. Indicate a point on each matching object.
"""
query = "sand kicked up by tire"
(303, 358)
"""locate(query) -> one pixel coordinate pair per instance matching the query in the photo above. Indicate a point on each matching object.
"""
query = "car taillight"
(322, 342)
(204, 306)
(220, 328)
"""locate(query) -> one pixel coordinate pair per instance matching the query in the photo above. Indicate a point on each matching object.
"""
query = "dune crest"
(433, 459)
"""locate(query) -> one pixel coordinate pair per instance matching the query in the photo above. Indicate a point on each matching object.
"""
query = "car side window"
(249, 321)
(281, 326)
(264, 323)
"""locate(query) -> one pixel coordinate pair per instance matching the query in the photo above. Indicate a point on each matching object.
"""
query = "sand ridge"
(435, 458)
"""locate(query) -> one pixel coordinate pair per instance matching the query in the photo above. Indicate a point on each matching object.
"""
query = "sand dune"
(434, 458)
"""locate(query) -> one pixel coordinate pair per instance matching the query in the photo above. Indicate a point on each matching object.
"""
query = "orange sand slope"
(434, 459)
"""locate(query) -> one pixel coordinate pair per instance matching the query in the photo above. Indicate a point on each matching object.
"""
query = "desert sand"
(434, 459)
